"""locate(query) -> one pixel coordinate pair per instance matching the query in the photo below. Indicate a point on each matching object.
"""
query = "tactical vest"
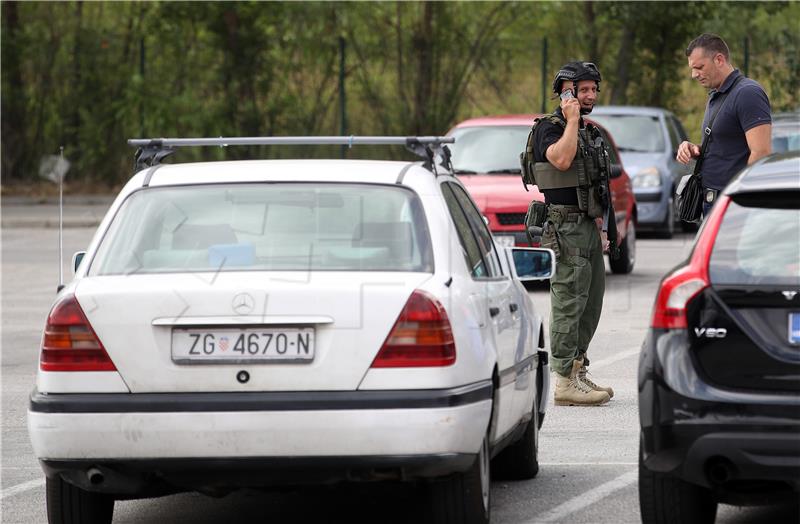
(585, 173)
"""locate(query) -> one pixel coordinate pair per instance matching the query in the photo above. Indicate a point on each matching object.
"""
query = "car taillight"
(70, 343)
(678, 288)
(421, 336)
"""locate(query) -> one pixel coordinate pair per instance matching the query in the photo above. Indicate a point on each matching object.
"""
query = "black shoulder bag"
(690, 188)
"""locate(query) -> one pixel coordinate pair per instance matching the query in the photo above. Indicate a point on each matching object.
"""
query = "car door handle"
(494, 311)
(513, 308)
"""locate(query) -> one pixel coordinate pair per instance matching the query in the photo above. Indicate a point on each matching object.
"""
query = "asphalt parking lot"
(587, 455)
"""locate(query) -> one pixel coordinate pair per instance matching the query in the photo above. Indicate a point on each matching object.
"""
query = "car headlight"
(647, 177)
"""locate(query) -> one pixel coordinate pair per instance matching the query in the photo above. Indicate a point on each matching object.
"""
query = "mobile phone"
(566, 94)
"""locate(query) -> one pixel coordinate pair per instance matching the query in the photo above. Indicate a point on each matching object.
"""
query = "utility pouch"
(595, 206)
(534, 220)
(583, 184)
(550, 238)
(526, 161)
(537, 214)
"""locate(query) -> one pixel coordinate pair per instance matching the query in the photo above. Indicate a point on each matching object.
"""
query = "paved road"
(587, 455)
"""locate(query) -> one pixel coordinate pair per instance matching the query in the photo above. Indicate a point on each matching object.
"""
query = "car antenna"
(61, 226)
(54, 168)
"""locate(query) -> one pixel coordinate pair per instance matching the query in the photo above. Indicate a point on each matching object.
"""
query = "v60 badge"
(710, 332)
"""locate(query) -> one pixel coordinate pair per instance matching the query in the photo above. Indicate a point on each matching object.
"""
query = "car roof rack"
(151, 151)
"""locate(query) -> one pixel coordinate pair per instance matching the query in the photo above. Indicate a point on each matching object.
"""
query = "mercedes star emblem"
(243, 303)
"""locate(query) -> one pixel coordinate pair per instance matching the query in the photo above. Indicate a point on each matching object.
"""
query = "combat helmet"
(576, 71)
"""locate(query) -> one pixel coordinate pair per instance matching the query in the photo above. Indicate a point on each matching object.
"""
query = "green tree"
(90, 75)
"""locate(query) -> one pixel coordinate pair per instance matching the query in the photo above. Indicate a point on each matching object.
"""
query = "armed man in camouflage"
(569, 162)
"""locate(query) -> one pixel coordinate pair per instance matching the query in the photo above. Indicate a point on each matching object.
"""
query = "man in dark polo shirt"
(742, 130)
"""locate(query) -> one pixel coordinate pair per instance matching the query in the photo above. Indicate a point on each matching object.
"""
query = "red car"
(486, 159)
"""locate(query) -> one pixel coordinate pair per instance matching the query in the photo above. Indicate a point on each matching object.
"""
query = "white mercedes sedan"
(277, 322)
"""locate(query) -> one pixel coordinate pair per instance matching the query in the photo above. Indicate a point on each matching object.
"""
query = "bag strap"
(707, 130)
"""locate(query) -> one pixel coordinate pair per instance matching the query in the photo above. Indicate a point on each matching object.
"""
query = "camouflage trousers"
(577, 288)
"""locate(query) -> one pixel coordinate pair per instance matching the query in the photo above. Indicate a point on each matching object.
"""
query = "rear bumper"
(140, 478)
(745, 454)
(730, 440)
(435, 430)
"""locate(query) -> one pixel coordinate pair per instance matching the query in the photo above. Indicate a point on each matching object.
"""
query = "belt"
(568, 213)
(575, 217)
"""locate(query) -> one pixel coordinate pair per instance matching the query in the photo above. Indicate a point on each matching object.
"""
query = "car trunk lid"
(339, 319)
(745, 326)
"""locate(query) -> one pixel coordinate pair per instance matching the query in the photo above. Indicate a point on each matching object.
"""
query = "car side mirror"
(533, 263)
(77, 257)
(616, 170)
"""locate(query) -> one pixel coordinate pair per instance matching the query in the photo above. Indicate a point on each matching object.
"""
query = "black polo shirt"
(746, 107)
(545, 135)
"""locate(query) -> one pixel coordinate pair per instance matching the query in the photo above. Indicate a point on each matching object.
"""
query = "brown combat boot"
(572, 391)
(583, 376)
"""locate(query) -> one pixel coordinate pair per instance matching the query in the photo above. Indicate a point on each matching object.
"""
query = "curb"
(34, 223)
(69, 200)
(29, 215)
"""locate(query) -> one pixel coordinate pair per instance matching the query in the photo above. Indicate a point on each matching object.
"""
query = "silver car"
(647, 139)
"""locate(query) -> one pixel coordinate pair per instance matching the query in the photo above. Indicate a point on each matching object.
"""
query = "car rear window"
(483, 149)
(633, 133)
(290, 227)
(757, 245)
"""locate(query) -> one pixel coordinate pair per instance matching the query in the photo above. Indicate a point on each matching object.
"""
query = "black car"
(719, 371)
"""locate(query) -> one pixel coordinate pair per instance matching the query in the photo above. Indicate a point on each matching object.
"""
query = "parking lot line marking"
(586, 499)
(597, 364)
(588, 463)
(19, 488)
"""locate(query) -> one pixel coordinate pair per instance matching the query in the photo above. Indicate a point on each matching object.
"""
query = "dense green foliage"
(91, 75)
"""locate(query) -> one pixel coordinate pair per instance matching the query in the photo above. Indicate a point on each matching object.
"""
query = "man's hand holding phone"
(570, 105)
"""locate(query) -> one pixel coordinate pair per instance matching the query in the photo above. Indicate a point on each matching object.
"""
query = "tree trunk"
(13, 131)
(73, 133)
(656, 99)
(619, 91)
(591, 19)
(401, 65)
(423, 44)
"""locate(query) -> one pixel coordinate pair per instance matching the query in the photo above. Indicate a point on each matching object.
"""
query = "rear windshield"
(489, 149)
(633, 133)
(291, 227)
(757, 246)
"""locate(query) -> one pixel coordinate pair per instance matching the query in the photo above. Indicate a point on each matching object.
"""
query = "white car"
(253, 323)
